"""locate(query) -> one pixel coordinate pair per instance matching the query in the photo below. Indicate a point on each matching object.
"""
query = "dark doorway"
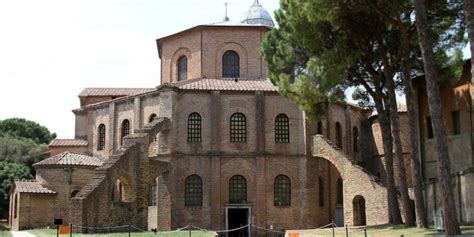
(238, 217)
(359, 210)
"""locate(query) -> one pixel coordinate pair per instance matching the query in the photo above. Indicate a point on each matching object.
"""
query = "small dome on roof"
(258, 15)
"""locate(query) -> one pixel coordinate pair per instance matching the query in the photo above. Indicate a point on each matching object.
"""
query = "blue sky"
(51, 49)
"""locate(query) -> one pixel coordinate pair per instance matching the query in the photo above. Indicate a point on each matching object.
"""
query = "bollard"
(189, 230)
(333, 235)
(70, 229)
(129, 230)
(347, 231)
(365, 232)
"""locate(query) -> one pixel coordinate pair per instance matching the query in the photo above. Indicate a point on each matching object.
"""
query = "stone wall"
(463, 196)
(356, 182)
(98, 203)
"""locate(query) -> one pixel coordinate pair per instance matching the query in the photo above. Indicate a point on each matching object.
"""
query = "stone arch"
(358, 205)
(183, 51)
(240, 50)
(355, 181)
(122, 190)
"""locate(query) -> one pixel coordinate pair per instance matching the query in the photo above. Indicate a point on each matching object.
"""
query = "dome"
(258, 15)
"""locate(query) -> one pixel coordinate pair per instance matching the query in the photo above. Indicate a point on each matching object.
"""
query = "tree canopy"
(22, 128)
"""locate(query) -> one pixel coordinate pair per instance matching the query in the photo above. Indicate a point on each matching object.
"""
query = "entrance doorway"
(238, 217)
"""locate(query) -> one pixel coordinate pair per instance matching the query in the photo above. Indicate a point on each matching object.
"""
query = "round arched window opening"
(230, 65)
(182, 68)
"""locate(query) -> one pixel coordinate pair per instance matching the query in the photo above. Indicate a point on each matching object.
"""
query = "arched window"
(338, 135)
(340, 196)
(238, 128)
(152, 195)
(182, 68)
(230, 65)
(125, 130)
(101, 137)
(282, 191)
(282, 129)
(237, 189)
(194, 127)
(152, 117)
(321, 191)
(355, 139)
(193, 191)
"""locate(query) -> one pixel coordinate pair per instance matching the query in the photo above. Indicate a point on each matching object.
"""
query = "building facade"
(215, 146)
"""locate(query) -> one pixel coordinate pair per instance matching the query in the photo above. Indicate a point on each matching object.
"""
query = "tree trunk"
(420, 210)
(434, 101)
(402, 177)
(384, 120)
(469, 12)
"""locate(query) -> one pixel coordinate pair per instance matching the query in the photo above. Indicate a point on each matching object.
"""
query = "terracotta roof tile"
(68, 142)
(227, 85)
(31, 186)
(114, 91)
(69, 158)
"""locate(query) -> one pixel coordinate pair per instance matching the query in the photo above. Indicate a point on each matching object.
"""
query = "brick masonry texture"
(157, 155)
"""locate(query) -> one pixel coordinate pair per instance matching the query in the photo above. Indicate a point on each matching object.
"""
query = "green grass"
(376, 231)
(52, 233)
(5, 233)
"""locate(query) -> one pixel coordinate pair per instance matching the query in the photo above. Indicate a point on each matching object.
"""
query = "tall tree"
(434, 102)
(19, 127)
(469, 12)
(323, 46)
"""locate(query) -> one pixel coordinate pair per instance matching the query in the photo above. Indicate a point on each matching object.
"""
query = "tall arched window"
(101, 137)
(182, 68)
(340, 196)
(282, 129)
(338, 135)
(125, 130)
(153, 191)
(194, 127)
(193, 191)
(321, 191)
(151, 118)
(282, 191)
(230, 65)
(237, 189)
(355, 139)
(238, 128)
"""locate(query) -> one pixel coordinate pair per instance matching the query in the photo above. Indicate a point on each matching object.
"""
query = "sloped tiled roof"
(31, 186)
(70, 158)
(227, 85)
(68, 142)
(114, 91)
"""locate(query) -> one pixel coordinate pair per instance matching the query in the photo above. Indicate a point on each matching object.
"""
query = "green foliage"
(22, 143)
(323, 47)
(20, 150)
(10, 172)
(22, 128)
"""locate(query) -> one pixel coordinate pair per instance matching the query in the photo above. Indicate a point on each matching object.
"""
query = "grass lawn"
(5, 233)
(52, 233)
(375, 231)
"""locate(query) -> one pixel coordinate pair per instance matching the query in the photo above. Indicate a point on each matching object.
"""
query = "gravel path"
(21, 234)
